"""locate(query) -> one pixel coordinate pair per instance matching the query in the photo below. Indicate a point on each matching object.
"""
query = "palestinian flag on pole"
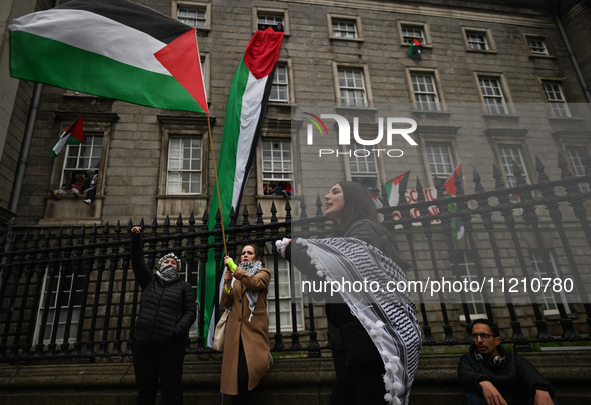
(71, 136)
(393, 188)
(245, 113)
(111, 48)
(414, 51)
(456, 223)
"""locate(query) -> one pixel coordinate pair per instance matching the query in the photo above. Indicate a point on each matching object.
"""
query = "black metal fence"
(70, 292)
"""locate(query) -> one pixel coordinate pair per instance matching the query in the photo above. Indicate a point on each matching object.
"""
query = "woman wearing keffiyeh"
(246, 347)
(374, 334)
(167, 311)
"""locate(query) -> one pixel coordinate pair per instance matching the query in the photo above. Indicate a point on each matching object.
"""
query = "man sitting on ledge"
(493, 376)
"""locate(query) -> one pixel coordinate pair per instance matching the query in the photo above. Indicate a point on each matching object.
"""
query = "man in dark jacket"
(167, 311)
(493, 376)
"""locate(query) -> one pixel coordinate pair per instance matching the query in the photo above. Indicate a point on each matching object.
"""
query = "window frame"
(270, 11)
(176, 4)
(539, 273)
(507, 100)
(301, 321)
(450, 150)
(434, 74)
(538, 37)
(471, 273)
(583, 187)
(366, 82)
(503, 167)
(543, 81)
(290, 87)
(345, 18)
(424, 27)
(172, 136)
(277, 139)
(365, 160)
(485, 33)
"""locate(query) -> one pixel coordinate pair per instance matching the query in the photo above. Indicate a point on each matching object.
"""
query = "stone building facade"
(485, 66)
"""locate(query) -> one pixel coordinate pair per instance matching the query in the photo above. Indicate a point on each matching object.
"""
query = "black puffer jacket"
(354, 340)
(516, 381)
(167, 310)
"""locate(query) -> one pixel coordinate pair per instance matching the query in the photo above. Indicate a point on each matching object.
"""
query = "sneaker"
(87, 202)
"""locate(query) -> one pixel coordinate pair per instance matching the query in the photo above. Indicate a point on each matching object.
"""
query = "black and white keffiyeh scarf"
(390, 320)
(251, 268)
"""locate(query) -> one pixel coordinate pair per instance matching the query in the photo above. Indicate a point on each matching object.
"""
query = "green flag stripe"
(226, 174)
(52, 62)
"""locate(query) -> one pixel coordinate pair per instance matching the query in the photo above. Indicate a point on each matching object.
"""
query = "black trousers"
(359, 384)
(164, 362)
(243, 396)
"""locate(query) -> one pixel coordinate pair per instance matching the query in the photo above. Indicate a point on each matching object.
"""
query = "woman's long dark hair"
(359, 205)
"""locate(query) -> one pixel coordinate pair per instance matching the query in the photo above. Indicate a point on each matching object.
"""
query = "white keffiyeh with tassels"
(390, 321)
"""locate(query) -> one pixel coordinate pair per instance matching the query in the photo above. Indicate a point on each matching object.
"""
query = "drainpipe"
(573, 57)
(26, 146)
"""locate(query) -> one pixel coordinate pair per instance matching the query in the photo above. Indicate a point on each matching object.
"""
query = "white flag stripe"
(249, 118)
(102, 36)
(57, 148)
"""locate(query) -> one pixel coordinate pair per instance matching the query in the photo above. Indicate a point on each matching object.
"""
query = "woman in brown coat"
(246, 347)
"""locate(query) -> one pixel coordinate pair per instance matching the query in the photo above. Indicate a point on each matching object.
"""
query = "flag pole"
(217, 185)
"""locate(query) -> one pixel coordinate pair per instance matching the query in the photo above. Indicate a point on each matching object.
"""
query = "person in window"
(375, 352)
(285, 188)
(494, 376)
(167, 311)
(270, 188)
(72, 189)
(246, 347)
(90, 186)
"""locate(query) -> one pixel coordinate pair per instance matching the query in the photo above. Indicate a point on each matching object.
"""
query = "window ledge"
(481, 50)
(427, 113)
(353, 109)
(424, 46)
(280, 104)
(347, 39)
(534, 56)
(181, 196)
(559, 120)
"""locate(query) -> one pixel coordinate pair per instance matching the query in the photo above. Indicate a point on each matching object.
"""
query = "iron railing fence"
(71, 293)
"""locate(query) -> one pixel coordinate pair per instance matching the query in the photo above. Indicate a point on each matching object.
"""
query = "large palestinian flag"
(245, 113)
(111, 48)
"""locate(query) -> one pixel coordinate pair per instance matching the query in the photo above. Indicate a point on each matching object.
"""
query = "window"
(184, 165)
(479, 40)
(195, 17)
(364, 168)
(352, 87)
(344, 28)
(285, 298)
(425, 92)
(539, 271)
(508, 154)
(71, 294)
(269, 19)
(440, 160)
(575, 157)
(193, 280)
(492, 94)
(556, 99)
(80, 158)
(263, 18)
(537, 46)
(280, 89)
(474, 300)
(412, 32)
(476, 41)
(194, 14)
(277, 167)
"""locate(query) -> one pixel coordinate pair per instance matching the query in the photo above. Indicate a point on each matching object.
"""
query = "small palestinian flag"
(111, 48)
(414, 51)
(393, 188)
(450, 187)
(71, 136)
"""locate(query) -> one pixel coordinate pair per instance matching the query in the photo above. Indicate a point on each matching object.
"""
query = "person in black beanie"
(167, 311)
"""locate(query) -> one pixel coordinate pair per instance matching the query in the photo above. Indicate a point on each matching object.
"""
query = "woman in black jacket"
(167, 311)
(359, 363)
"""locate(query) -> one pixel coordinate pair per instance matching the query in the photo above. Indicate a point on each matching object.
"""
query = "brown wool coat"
(255, 334)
